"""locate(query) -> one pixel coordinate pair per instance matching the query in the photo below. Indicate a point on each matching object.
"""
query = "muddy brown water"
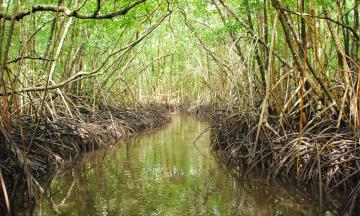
(164, 173)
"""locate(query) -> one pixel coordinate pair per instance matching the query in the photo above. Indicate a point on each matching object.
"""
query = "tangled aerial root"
(323, 155)
(32, 148)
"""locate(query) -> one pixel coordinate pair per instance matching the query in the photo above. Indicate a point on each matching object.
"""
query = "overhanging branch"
(82, 75)
(70, 13)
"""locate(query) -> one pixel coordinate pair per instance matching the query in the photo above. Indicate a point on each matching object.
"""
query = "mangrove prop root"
(322, 155)
(32, 151)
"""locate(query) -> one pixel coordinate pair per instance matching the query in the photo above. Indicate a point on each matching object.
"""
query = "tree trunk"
(257, 52)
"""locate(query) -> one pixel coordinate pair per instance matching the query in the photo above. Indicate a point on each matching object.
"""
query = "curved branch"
(352, 30)
(82, 75)
(71, 13)
(28, 57)
(73, 78)
(254, 34)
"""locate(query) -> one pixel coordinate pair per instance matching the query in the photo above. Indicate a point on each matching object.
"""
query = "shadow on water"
(163, 173)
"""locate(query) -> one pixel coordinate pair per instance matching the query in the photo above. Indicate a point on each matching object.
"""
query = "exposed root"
(321, 155)
(32, 148)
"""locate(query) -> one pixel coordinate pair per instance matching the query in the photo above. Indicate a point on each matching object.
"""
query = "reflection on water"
(163, 173)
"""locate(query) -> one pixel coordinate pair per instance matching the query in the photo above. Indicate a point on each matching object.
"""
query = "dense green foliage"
(288, 68)
(193, 55)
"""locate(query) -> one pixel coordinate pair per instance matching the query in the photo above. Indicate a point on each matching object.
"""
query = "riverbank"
(162, 173)
(280, 151)
(31, 148)
(320, 154)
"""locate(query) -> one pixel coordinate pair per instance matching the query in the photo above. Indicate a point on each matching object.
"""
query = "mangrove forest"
(179, 107)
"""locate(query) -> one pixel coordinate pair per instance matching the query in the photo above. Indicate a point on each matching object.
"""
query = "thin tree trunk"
(257, 52)
(266, 34)
(355, 41)
(343, 66)
(303, 25)
(294, 47)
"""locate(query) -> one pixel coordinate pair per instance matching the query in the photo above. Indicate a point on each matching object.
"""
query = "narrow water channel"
(163, 173)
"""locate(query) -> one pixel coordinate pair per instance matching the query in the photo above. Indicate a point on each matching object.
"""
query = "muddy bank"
(320, 155)
(31, 148)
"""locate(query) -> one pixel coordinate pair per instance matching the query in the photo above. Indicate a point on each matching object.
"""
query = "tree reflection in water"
(162, 173)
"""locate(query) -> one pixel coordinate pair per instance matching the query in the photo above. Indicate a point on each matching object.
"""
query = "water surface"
(164, 173)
